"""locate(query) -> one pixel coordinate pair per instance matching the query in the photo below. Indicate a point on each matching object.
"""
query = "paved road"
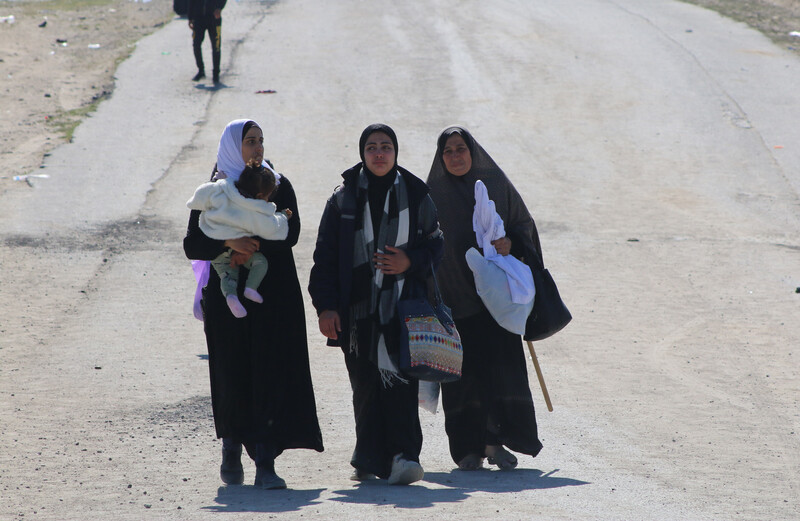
(657, 146)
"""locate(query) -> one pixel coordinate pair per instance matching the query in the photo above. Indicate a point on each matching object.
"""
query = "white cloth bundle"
(504, 283)
(227, 214)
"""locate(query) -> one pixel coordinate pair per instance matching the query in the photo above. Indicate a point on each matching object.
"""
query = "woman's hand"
(393, 262)
(329, 324)
(243, 248)
(239, 259)
(502, 245)
(246, 245)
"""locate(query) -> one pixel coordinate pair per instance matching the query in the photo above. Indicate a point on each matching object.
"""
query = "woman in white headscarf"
(490, 407)
(261, 391)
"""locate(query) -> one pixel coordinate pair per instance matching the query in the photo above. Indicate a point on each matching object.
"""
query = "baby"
(233, 209)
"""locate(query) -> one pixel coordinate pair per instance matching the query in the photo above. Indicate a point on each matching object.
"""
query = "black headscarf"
(247, 126)
(446, 134)
(378, 127)
(454, 197)
(378, 185)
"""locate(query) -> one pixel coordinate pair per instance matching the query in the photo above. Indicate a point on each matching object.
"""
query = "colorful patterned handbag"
(430, 346)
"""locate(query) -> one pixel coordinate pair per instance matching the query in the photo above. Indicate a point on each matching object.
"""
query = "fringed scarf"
(376, 309)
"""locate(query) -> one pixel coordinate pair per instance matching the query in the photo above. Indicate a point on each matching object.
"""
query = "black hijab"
(378, 127)
(378, 185)
(247, 126)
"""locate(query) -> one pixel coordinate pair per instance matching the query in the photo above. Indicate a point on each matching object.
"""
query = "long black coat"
(261, 387)
(331, 276)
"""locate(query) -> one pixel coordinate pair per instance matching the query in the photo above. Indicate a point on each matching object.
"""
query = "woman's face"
(379, 154)
(456, 156)
(253, 145)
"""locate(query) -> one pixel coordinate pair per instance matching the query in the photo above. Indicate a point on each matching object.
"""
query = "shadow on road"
(211, 87)
(248, 498)
(377, 492)
(501, 481)
(460, 485)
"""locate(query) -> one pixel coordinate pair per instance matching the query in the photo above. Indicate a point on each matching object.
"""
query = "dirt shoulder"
(53, 74)
(57, 61)
(666, 217)
(774, 18)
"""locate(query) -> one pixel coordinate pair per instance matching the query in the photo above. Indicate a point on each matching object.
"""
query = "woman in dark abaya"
(261, 391)
(490, 407)
(378, 240)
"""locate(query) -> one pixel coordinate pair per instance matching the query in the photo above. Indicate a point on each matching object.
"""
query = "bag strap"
(437, 293)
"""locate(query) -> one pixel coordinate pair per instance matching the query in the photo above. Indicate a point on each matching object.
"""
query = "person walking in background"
(377, 243)
(206, 15)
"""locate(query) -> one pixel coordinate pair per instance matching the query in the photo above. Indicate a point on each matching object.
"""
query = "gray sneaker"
(362, 475)
(405, 472)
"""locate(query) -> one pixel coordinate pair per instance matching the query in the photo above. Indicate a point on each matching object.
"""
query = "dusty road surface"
(657, 146)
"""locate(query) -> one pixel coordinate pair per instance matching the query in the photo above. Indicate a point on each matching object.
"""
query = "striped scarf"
(380, 303)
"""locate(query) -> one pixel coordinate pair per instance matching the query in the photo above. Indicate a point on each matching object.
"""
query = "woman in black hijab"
(378, 238)
(490, 406)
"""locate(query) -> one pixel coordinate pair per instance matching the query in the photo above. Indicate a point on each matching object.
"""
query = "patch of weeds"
(66, 122)
(63, 5)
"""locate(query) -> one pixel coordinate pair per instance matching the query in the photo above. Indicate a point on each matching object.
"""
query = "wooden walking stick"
(539, 374)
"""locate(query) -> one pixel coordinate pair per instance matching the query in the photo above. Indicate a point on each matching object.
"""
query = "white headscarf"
(229, 165)
(229, 153)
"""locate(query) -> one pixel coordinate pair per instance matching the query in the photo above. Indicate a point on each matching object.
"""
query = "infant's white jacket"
(227, 214)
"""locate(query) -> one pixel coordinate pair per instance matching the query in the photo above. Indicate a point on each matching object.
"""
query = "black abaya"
(491, 404)
(379, 436)
(261, 386)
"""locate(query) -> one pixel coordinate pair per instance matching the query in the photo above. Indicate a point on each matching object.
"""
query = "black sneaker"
(268, 480)
(199, 76)
(216, 78)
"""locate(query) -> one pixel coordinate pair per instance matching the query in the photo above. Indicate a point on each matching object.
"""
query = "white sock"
(253, 295)
(236, 307)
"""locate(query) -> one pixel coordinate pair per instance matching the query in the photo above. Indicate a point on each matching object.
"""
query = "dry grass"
(774, 18)
(36, 116)
(49, 76)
